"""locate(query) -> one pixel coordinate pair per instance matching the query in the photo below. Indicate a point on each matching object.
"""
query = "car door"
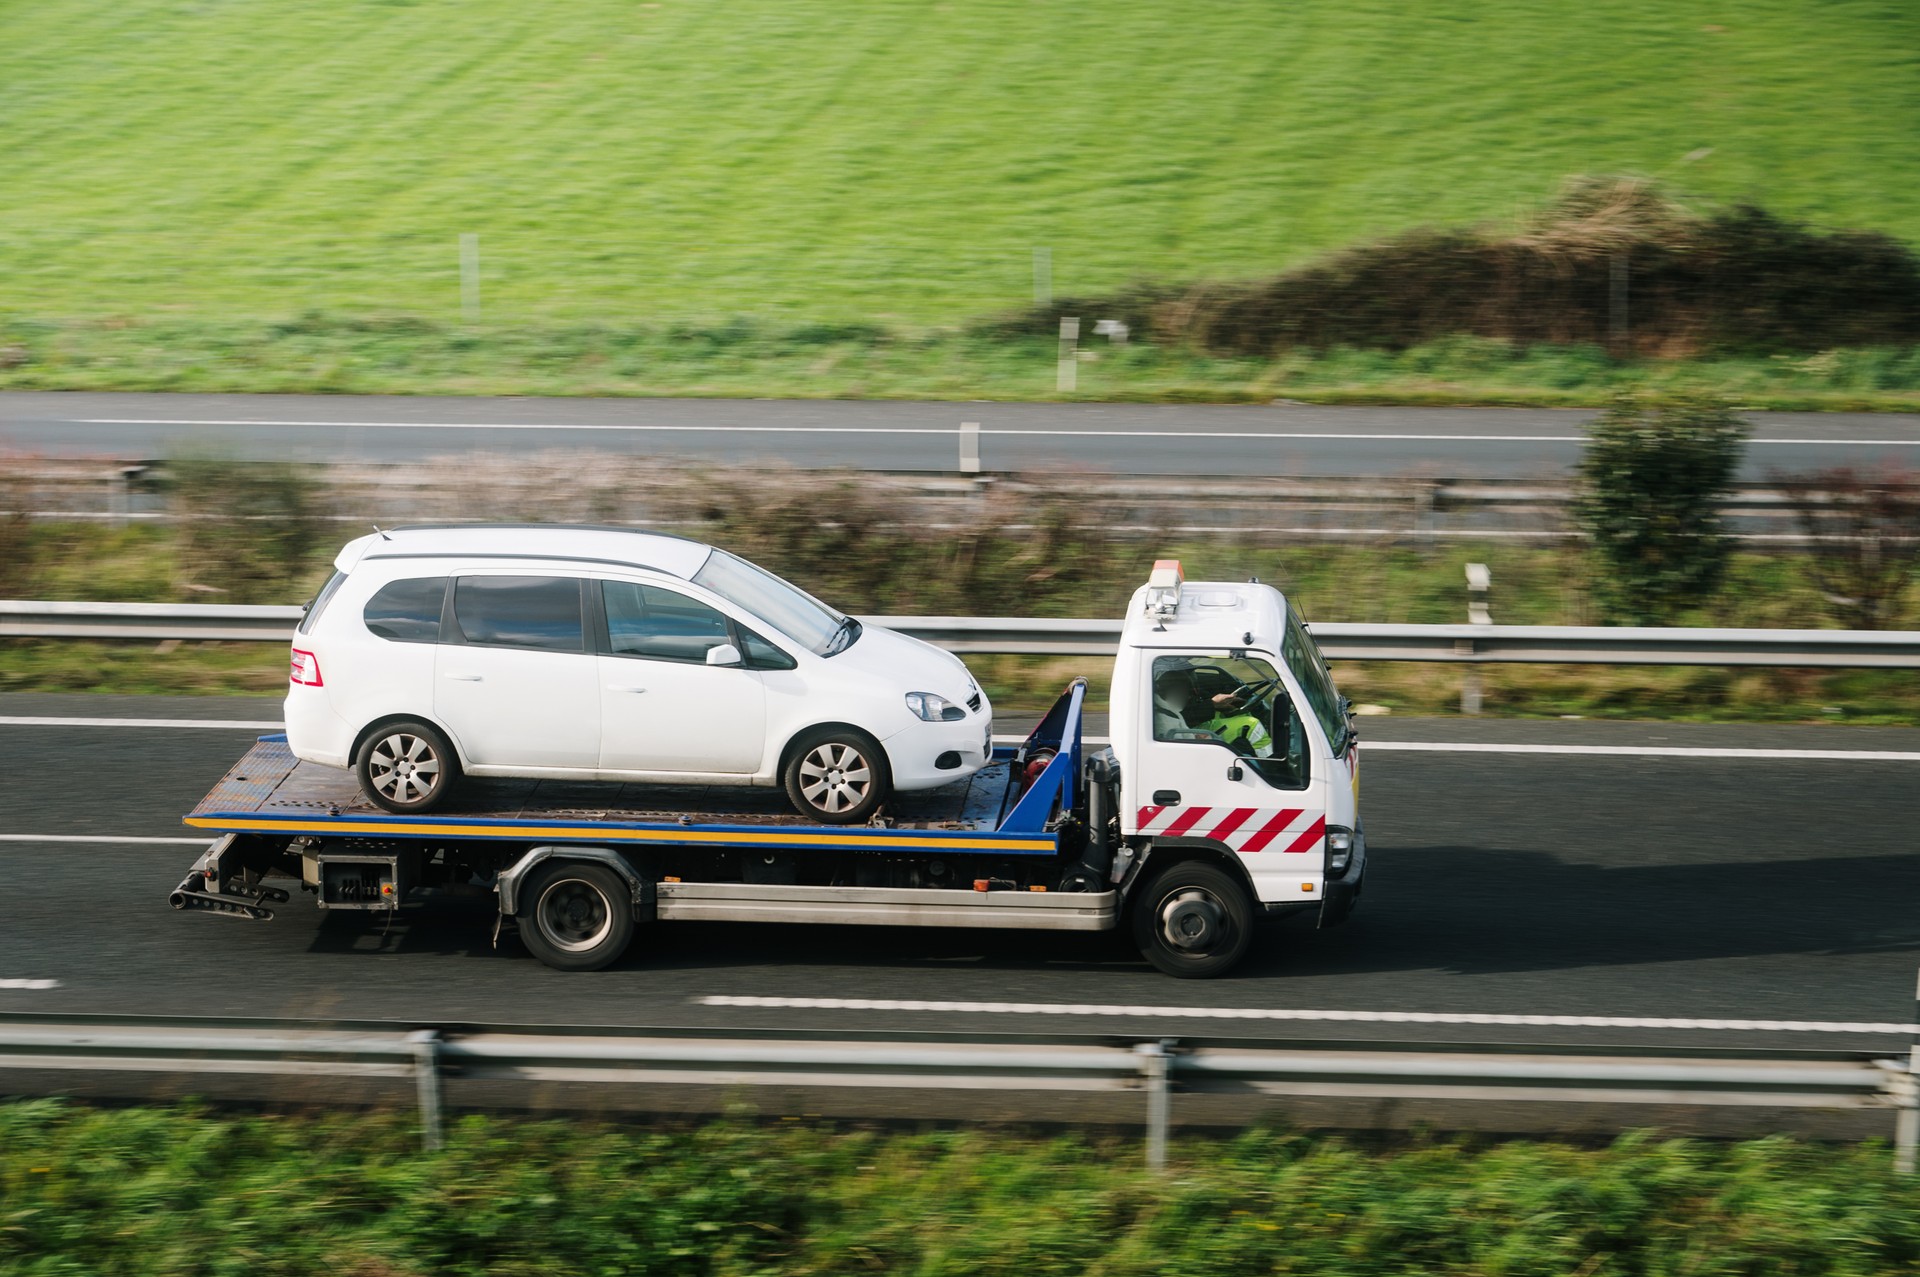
(662, 707)
(1235, 773)
(514, 675)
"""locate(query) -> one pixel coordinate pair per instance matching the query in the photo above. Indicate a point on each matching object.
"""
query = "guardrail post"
(1156, 1066)
(426, 1075)
(1906, 1125)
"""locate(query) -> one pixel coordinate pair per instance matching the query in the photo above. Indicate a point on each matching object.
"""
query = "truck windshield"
(787, 608)
(1302, 656)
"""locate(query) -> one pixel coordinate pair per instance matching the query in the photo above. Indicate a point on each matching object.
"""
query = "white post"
(1043, 277)
(470, 276)
(1906, 1124)
(1479, 582)
(1156, 1065)
(426, 1077)
(1069, 372)
(969, 447)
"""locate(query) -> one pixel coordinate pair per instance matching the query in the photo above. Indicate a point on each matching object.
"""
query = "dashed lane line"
(220, 724)
(37, 985)
(1302, 1014)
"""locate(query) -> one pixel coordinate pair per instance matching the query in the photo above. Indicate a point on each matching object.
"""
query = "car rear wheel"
(577, 917)
(407, 767)
(838, 776)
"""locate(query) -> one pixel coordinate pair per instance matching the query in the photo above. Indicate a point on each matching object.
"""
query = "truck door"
(1225, 758)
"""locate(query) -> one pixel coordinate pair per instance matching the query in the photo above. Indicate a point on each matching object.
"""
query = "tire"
(394, 757)
(577, 916)
(837, 776)
(1193, 921)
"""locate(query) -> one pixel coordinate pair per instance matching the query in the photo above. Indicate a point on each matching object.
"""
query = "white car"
(609, 654)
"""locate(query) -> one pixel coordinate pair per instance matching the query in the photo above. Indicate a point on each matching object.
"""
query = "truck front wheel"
(578, 917)
(1193, 920)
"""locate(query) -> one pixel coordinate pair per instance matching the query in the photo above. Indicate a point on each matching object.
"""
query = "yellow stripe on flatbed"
(576, 833)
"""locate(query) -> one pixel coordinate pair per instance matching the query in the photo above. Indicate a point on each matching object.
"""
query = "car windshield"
(785, 607)
(1302, 656)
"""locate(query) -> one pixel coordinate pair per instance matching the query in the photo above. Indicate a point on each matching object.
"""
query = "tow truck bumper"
(1343, 893)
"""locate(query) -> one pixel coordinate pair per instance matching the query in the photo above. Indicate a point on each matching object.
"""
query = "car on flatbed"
(609, 654)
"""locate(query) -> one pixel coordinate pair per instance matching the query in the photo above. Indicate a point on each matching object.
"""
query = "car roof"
(630, 547)
(1212, 614)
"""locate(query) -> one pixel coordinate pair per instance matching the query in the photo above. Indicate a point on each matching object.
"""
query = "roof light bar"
(1163, 587)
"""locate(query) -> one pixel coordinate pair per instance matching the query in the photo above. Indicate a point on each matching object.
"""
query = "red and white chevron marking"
(1245, 829)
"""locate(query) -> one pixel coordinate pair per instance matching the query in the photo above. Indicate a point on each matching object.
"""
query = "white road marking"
(1265, 1013)
(1639, 751)
(921, 430)
(29, 984)
(170, 842)
(226, 724)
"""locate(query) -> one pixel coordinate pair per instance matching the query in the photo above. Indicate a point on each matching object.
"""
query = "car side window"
(540, 612)
(407, 611)
(762, 654)
(1236, 703)
(647, 621)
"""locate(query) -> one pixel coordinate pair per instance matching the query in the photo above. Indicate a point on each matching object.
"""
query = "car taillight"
(306, 669)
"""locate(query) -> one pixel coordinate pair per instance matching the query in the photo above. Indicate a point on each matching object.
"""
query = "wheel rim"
(835, 777)
(404, 767)
(1192, 920)
(574, 915)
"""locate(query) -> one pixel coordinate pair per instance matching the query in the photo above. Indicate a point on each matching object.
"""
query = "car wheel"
(407, 767)
(1193, 920)
(577, 917)
(838, 776)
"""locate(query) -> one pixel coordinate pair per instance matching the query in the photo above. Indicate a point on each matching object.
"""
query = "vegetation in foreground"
(182, 1191)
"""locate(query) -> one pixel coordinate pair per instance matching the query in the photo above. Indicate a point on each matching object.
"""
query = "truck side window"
(541, 612)
(645, 620)
(407, 611)
(1234, 703)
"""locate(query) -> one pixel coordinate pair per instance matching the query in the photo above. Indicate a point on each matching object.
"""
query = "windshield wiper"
(843, 636)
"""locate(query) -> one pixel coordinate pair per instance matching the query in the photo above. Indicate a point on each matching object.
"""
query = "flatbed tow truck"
(1186, 833)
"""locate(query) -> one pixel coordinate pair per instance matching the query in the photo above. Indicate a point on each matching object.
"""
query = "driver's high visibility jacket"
(1234, 727)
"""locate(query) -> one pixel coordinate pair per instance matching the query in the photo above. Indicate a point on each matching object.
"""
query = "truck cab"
(1239, 770)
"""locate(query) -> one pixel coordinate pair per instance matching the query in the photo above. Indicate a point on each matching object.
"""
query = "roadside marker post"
(470, 276)
(1068, 379)
(969, 447)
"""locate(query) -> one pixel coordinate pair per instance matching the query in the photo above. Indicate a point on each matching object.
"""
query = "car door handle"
(465, 678)
(625, 687)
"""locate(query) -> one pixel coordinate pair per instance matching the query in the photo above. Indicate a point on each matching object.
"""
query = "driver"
(1174, 691)
(1243, 732)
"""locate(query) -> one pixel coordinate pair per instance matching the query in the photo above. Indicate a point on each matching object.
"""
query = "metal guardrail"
(1538, 644)
(878, 1068)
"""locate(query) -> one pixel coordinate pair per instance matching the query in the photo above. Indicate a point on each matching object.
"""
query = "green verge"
(402, 354)
(184, 1191)
(1083, 574)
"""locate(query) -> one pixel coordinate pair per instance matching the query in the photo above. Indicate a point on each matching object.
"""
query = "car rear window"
(320, 601)
(408, 611)
(520, 611)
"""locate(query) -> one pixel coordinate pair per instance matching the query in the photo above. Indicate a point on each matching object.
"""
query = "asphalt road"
(1535, 884)
(1270, 440)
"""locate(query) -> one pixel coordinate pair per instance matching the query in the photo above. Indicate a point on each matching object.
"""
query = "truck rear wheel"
(1193, 921)
(578, 917)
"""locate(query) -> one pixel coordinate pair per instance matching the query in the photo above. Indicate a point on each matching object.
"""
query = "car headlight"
(1339, 849)
(933, 708)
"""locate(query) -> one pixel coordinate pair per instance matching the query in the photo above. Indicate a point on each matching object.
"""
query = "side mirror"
(725, 654)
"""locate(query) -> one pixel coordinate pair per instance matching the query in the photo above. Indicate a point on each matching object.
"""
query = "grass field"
(894, 163)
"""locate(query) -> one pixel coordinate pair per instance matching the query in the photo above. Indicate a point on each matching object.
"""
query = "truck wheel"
(838, 776)
(579, 917)
(407, 767)
(1193, 920)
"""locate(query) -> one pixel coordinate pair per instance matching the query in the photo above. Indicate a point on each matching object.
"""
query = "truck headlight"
(1339, 850)
(934, 709)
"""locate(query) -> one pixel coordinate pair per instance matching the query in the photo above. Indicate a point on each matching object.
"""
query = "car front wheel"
(838, 776)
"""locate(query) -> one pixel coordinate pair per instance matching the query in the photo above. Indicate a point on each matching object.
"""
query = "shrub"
(1650, 486)
(1864, 529)
(247, 529)
(1614, 263)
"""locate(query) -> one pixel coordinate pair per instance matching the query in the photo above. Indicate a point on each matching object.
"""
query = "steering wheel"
(1251, 694)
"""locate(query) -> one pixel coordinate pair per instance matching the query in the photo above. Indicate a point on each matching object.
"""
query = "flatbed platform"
(269, 791)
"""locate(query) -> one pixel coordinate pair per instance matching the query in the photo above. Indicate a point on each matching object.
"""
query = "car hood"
(906, 660)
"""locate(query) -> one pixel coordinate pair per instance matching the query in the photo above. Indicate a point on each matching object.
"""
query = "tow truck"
(1228, 796)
